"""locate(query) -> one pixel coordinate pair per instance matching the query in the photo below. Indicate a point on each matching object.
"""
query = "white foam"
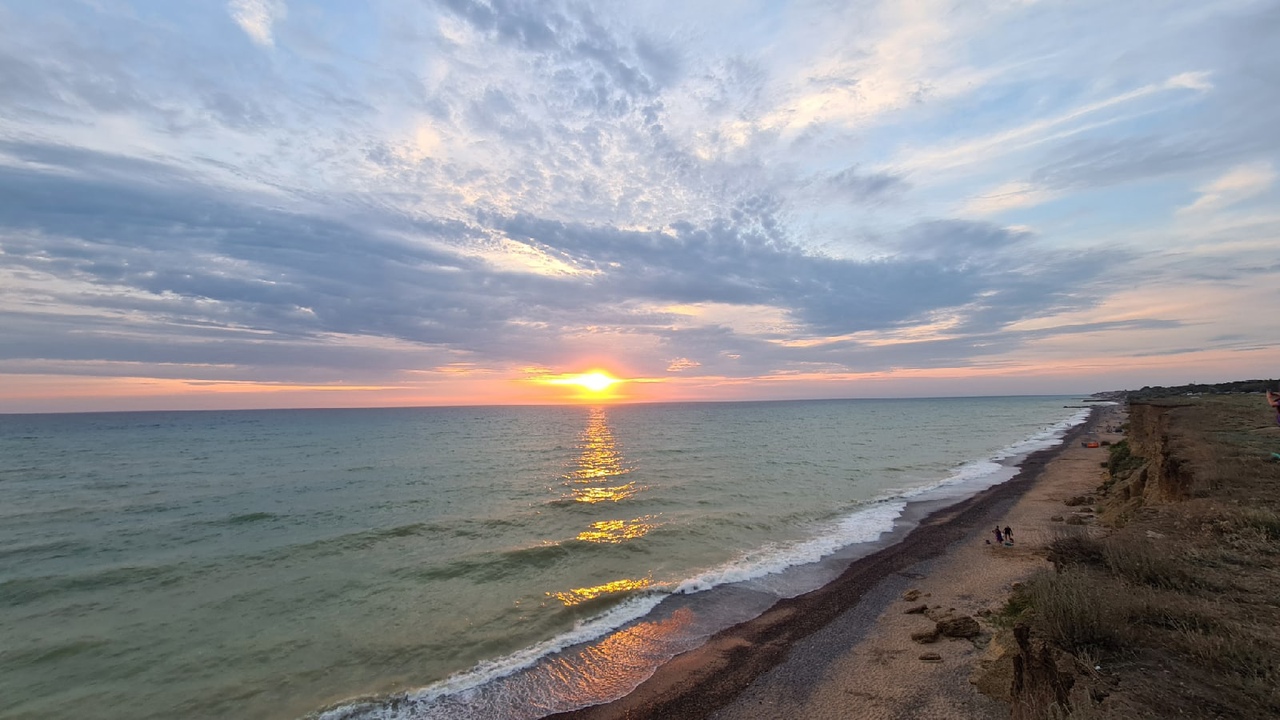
(865, 525)
(1045, 438)
(1001, 466)
(490, 670)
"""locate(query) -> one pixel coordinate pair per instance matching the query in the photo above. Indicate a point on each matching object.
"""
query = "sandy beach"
(846, 650)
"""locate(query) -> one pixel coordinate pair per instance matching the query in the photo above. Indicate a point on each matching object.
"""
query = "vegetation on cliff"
(1226, 388)
(1121, 464)
(1173, 609)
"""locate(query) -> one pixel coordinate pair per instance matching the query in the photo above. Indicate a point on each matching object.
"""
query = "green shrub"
(1014, 608)
(1121, 461)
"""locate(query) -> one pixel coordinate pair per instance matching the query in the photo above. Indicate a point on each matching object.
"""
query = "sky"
(279, 203)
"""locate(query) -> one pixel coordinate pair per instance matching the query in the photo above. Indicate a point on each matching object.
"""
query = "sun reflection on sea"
(599, 461)
(604, 494)
(617, 531)
(600, 456)
(581, 595)
(616, 663)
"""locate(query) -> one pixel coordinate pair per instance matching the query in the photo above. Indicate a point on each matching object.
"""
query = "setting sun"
(596, 381)
(594, 385)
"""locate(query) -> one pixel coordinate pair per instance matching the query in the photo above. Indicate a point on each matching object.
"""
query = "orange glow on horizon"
(1046, 368)
(596, 381)
(594, 385)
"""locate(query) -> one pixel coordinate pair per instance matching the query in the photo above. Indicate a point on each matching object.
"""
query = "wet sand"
(844, 650)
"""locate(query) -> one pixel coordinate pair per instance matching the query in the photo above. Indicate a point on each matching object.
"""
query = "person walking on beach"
(1008, 534)
(999, 536)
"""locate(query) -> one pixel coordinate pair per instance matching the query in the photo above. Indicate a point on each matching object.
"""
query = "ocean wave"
(498, 564)
(360, 540)
(864, 525)
(999, 467)
(461, 695)
(52, 548)
(50, 652)
(1045, 438)
(21, 591)
(248, 518)
(433, 701)
(450, 698)
(584, 496)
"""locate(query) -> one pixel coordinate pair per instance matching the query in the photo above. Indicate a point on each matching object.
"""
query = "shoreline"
(700, 682)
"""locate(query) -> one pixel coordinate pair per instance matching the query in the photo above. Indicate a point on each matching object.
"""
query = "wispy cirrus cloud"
(257, 18)
(404, 190)
(1076, 120)
(1236, 185)
(1007, 197)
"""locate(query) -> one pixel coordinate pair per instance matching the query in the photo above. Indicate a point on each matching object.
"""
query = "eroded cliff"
(1167, 606)
(1157, 462)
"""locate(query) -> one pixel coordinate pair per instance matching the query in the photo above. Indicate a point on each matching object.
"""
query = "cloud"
(1191, 81)
(682, 364)
(257, 17)
(1237, 185)
(852, 185)
(1008, 196)
(899, 58)
(1101, 162)
(252, 282)
(1073, 121)
(409, 185)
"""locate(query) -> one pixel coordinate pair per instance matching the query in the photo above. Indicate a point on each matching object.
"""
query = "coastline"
(717, 678)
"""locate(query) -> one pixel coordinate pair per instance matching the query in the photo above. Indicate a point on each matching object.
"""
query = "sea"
(465, 562)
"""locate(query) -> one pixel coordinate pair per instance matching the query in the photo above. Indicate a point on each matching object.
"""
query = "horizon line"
(1082, 396)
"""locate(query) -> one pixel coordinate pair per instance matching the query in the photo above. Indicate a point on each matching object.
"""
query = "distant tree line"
(1225, 388)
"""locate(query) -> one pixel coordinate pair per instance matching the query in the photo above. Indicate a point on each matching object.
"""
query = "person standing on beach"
(1008, 534)
(1273, 399)
(999, 536)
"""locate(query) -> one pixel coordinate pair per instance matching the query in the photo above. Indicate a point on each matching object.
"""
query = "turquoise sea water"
(440, 562)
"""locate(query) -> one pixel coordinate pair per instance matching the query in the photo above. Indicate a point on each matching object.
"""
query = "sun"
(596, 381)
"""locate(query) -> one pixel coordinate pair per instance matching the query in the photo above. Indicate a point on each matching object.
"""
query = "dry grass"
(1180, 606)
(1073, 609)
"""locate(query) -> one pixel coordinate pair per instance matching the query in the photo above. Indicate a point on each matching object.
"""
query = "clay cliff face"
(1156, 468)
(1190, 509)
(1167, 476)
(1152, 469)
